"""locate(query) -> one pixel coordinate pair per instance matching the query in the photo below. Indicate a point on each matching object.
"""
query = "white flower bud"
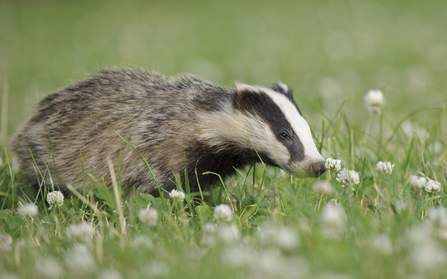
(282, 236)
(49, 267)
(148, 216)
(55, 198)
(228, 233)
(385, 167)
(418, 181)
(323, 187)
(81, 232)
(346, 176)
(332, 164)
(432, 186)
(334, 221)
(223, 212)
(28, 209)
(80, 260)
(374, 101)
(177, 195)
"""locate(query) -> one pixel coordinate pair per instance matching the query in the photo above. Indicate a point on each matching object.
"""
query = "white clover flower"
(410, 129)
(109, 274)
(223, 211)
(81, 232)
(428, 256)
(432, 186)
(49, 268)
(177, 195)
(333, 164)
(382, 243)
(142, 241)
(407, 127)
(418, 181)
(228, 233)
(282, 237)
(374, 101)
(5, 242)
(268, 264)
(418, 234)
(437, 218)
(55, 198)
(80, 260)
(425, 251)
(348, 176)
(323, 187)
(148, 216)
(334, 221)
(334, 215)
(28, 209)
(385, 167)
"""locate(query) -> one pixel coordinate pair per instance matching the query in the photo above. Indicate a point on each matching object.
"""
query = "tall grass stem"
(118, 199)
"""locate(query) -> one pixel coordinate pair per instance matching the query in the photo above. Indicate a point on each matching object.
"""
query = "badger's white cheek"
(264, 141)
(280, 155)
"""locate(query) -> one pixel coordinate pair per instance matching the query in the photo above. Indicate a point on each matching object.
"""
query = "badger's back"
(155, 114)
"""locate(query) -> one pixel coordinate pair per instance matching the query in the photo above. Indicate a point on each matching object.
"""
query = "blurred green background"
(328, 51)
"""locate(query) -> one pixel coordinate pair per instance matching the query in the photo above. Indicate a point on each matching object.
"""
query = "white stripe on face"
(301, 129)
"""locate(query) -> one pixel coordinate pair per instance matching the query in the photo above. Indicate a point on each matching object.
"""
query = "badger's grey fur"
(174, 123)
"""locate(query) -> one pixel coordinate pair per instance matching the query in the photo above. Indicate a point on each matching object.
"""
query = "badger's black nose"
(318, 168)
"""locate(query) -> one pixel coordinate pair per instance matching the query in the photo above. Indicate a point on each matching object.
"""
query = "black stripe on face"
(288, 94)
(261, 105)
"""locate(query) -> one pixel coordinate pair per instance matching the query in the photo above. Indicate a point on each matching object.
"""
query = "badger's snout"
(318, 168)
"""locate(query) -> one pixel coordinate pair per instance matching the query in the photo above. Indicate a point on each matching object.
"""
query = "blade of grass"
(118, 199)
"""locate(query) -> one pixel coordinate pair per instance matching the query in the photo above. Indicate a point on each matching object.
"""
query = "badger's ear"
(283, 89)
(246, 96)
(242, 87)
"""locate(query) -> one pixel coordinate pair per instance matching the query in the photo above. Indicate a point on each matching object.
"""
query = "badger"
(182, 126)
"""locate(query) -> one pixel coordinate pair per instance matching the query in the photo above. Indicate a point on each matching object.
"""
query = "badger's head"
(269, 121)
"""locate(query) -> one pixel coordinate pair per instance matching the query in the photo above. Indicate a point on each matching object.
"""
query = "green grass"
(330, 52)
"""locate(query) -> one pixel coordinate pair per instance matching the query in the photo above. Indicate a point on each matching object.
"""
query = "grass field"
(331, 52)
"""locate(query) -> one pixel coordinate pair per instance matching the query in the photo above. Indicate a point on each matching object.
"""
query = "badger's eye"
(284, 136)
